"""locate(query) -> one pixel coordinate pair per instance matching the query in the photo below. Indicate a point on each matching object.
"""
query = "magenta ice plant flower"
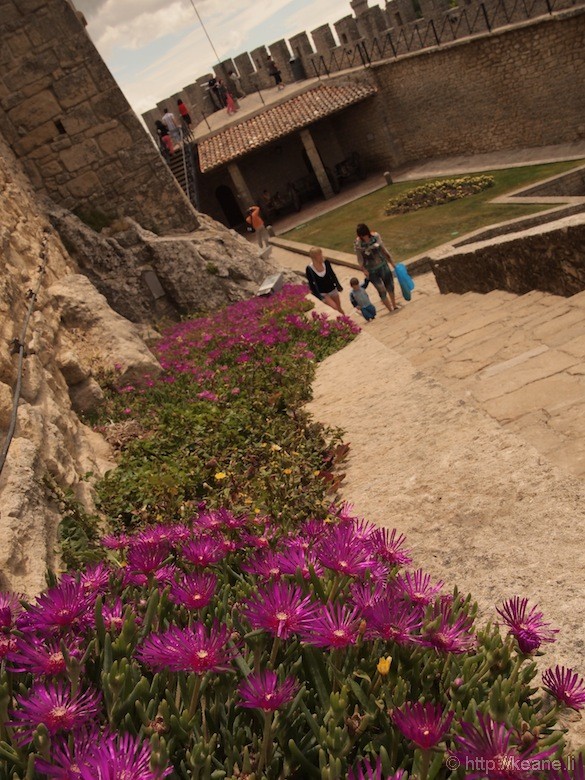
(297, 557)
(392, 621)
(56, 707)
(204, 550)
(265, 564)
(9, 609)
(365, 594)
(7, 644)
(340, 551)
(115, 542)
(366, 771)
(194, 591)
(121, 757)
(67, 756)
(446, 632)
(263, 691)
(527, 626)
(333, 625)
(388, 546)
(566, 686)
(417, 587)
(423, 724)
(280, 609)
(66, 607)
(195, 649)
(46, 657)
(498, 746)
(146, 558)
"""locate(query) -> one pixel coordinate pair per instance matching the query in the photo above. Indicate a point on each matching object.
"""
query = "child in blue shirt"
(360, 299)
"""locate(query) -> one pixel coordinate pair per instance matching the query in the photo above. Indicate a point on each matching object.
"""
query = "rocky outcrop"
(90, 288)
(146, 277)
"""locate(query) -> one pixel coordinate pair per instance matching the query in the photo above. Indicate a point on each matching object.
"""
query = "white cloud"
(124, 31)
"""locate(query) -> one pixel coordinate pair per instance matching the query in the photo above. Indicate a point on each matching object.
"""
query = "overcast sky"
(156, 47)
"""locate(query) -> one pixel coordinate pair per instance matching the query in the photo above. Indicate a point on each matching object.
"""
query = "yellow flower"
(257, 511)
(384, 665)
(316, 473)
(276, 448)
(263, 444)
(247, 501)
(287, 471)
(220, 475)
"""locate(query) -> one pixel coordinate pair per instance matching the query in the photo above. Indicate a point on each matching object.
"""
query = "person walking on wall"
(172, 126)
(257, 224)
(167, 147)
(237, 84)
(185, 116)
(323, 280)
(376, 263)
(274, 72)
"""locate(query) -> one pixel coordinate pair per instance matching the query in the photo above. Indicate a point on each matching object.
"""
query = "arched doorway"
(229, 205)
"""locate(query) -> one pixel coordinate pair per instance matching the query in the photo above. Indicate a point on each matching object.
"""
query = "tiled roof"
(278, 121)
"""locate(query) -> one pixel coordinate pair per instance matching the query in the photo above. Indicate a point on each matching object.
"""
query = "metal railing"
(455, 24)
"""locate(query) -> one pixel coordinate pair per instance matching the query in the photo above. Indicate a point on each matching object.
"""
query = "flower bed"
(436, 193)
(239, 625)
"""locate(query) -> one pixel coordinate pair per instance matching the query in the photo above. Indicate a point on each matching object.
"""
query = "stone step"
(520, 358)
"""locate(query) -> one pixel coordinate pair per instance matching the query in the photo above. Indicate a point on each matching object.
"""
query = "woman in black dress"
(323, 281)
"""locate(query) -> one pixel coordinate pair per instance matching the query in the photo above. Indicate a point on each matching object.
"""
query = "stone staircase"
(519, 358)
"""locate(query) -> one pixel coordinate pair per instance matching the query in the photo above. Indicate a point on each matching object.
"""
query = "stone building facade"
(69, 123)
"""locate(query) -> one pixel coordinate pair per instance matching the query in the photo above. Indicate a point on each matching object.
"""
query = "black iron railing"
(455, 24)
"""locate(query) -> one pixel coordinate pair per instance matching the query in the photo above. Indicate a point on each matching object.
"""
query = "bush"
(436, 193)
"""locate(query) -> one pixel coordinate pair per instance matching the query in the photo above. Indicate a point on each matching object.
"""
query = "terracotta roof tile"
(278, 121)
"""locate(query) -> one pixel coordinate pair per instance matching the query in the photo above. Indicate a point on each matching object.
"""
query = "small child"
(360, 299)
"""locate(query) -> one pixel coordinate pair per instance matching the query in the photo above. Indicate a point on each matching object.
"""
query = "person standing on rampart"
(172, 126)
(274, 72)
(185, 116)
(237, 84)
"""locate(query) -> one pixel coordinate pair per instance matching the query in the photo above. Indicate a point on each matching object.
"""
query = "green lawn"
(408, 235)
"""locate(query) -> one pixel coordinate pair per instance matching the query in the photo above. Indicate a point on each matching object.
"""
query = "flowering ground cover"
(240, 624)
(437, 193)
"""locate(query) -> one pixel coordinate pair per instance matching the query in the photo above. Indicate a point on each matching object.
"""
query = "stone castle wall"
(67, 120)
(513, 88)
(372, 34)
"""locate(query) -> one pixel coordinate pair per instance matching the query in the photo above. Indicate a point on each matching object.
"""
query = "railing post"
(317, 73)
(549, 6)
(366, 56)
(485, 16)
(434, 29)
(260, 94)
(205, 120)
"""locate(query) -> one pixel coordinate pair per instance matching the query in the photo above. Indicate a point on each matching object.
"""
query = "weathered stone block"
(37, 86)
(9, 13)
(10, 99)
(102, 127)
(109, 104)
(80, 155)
(75, 88)
(32, 68)
(115, 140)
(38, 137)
(35, 111)
(19, 44)
(50, 167)
(84, 186)
(79, 120)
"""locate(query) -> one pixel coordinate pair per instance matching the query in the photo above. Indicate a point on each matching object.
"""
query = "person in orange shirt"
(255, 220)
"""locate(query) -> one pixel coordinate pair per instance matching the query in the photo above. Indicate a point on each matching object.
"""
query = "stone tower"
(359, 7)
